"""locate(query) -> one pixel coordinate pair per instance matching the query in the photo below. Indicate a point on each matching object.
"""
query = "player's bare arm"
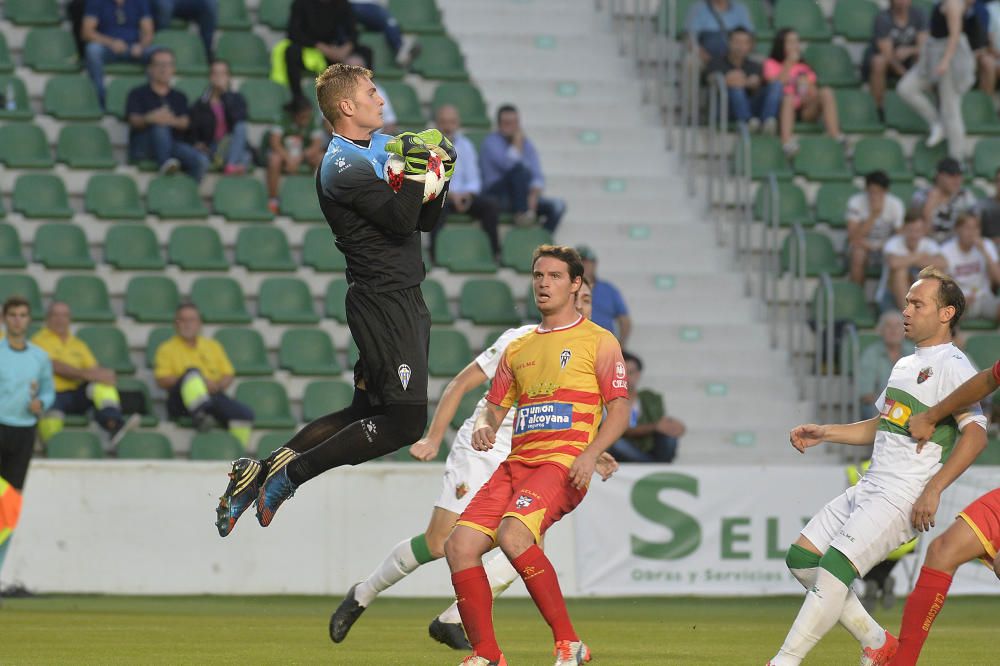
(468, 379)
(484, 435)
(808, 435)
(975, 389)
(970, 444)
(614, 424)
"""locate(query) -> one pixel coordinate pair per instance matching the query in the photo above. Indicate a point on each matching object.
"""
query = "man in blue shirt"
(709, 22)
(115, 31)
(610, 311)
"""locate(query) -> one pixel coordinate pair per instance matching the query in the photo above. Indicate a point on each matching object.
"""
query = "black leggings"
(16, 446)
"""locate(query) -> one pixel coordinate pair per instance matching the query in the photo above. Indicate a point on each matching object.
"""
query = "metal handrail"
(766, 264)
(824, 341)
(796, 290)
(745, 215)
(850, 407)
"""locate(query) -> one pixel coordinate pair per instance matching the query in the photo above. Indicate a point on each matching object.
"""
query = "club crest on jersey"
(523, 501)
(461, 490)
(896, 413)
(404, 373)
(925, 374)
(564, 357)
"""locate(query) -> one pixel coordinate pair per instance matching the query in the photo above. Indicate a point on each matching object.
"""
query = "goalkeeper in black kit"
(377, 229)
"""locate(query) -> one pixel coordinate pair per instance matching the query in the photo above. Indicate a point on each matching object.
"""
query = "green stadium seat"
(983, 349)
(175, 197)
(245, 52)
(264, 249)
(309, 352)
(333, 301)
(488, 302)
(791, 201)
(241, 198)
(6, 64)
(925, 159)
(157, 337)
(831, 203)
(849, 304)
(383, 59)
(32, 12)
(833, 66)
(218, 445)
(881, 154)
(62, 245)
(320, 253)
(979, 115)
(139, 445)
(109, 347)
(464, 249)
(113, 196)
(71, 97)
(16, 284)
(821, 257)
(136, 400)
(87, 296)
(50, 50)
(420, 16)
(10, 248)
(151, 298)
(220, 300)
(991, 454)
(437, 302)
(821, 158)
(766, 156)
(519, 245)
(405, 103)
(74, 445)
(22, 106)
(325, 397)
(246, 351)
(272, 441)
(465, 97)
(285, 300)
(269, 403)
(192, 86)
(196, 248)
(476, 135)
(803, 16)
(42, 195)
(116, 93)
(853, 19)
(233, 15)
(449, 352)
(986, 157)
(440, 58)
(971, 324)
(24, 146)
(466, 407)
(85, 147)
(901, 117)
(760, 16)
(264, 100)
(297, 195)
(187, 48)
(857, 112)
(274, 13)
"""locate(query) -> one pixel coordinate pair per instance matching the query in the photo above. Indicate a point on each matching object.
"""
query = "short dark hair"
(913, 215)
(220, 61)
(778, 45)
(878, 177)
(160, 50)
(15, 302)
(563, 253)
(740, 30)
(949, 293)
(505, 108)
(632, 357)
(964, 217)
(186, 305)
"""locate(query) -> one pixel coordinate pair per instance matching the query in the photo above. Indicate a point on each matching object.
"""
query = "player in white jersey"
(901, 490)
(466, 470)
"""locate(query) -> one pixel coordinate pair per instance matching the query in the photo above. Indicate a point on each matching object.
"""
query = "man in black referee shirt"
(377, 228)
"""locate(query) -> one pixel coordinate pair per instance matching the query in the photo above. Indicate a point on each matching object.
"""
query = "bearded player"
(900, 492)
(378, 231)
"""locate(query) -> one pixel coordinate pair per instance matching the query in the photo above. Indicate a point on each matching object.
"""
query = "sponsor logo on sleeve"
(896, 413)
(543, 416)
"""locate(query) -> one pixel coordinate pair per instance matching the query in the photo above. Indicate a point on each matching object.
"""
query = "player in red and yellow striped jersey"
(561, 377)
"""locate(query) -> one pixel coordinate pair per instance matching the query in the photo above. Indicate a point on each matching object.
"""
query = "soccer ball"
(433, 181)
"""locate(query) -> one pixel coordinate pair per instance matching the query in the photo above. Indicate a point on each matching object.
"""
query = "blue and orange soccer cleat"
(277, 487)
(571, 653)
(244, 483)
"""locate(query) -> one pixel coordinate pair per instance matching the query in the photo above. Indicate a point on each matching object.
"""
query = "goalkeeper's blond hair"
(335, 84)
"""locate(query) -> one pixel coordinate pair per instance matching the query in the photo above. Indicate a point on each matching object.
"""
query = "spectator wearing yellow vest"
(80, 382)
(195, 372)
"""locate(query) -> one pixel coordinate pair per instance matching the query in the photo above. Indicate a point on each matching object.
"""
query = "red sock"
(475, 605)
(922, 607)
(539, 577)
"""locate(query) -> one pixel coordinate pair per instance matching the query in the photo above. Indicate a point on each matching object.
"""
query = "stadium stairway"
(704, 344)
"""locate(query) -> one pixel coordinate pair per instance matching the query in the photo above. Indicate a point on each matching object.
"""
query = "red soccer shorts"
(538, 496)
(983, 516)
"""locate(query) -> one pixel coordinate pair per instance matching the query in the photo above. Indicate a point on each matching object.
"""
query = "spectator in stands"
(751, 101)
(512, 173)
(115, 31)
(26, 387)
(898, 35)
(988, 57)
(219, 123)
(945, 200)
(651, 436)
(464, 192)
(158, 119)
(988, 211)
(361, 59)
(80, 383)
(873, 216)
(973, 262)
(877, 360)
(609, 309)
(709, 22)
(802, 99)
(376, 18)
(195, 372)
(948, 65)
(905, 255)
(299, 137)
(203, 12)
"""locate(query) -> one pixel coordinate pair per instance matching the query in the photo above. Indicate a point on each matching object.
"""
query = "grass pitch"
(293, 630)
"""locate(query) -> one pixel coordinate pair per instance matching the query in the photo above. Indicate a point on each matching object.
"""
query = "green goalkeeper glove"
(442, 147)
(413, 150)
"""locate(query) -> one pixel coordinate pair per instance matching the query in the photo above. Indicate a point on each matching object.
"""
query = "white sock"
(500, 573)
(395, 567)
(855, 618)
(820, 611)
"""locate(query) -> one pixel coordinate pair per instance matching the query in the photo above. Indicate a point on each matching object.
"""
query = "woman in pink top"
(802, 100)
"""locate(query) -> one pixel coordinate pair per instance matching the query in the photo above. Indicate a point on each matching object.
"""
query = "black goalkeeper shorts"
(392, 330)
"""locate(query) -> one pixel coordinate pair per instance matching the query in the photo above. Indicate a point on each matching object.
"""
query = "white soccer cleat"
(572, 653)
